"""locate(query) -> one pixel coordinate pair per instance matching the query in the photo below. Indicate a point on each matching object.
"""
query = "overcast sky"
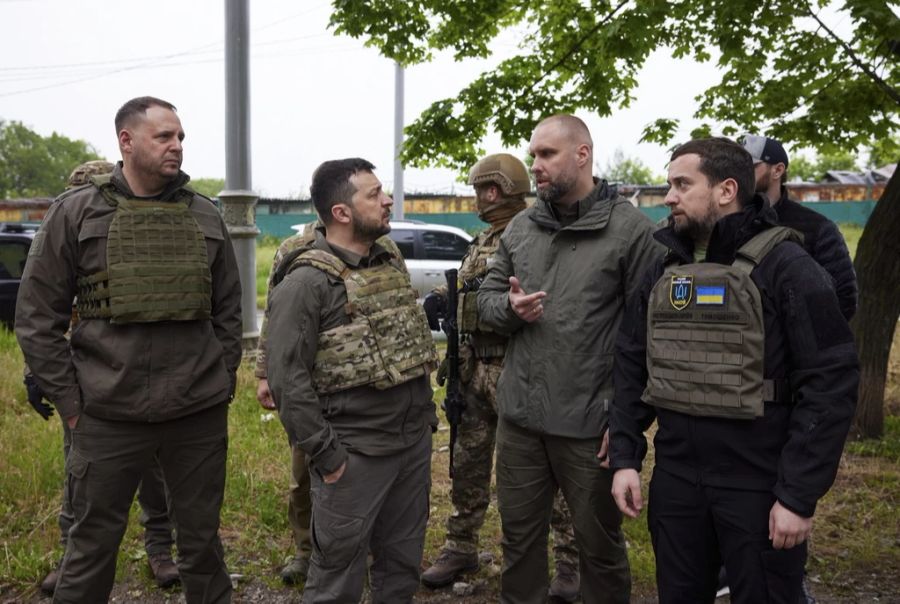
(67, 66)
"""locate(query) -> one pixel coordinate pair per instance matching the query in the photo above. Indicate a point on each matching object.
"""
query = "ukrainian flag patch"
(711, 295)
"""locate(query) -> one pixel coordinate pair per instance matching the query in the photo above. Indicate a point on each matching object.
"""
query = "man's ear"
(778, 171)
(340, 213)
(492, 193)
(583, 154)
(126, 140)
(728, 192)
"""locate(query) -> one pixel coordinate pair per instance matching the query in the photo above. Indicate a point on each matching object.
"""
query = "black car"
(15, 241)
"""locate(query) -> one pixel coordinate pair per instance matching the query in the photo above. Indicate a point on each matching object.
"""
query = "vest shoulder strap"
(751, 253)
(320, 259)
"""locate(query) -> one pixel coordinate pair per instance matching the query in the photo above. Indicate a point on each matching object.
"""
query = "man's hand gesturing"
(528, 307)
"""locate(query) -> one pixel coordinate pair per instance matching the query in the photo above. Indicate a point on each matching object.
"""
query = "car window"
(443, 246)
(12, 259)
(406, 241)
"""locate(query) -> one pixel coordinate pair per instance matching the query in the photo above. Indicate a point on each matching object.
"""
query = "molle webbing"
(705, 341)
(157, 267)
(386, 342)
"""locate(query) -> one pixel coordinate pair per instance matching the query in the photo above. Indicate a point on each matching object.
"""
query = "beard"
(698, 229)
(762, 185)
(367, 231)
(556, 190)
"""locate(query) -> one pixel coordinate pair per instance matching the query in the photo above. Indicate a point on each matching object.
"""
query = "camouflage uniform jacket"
(363, 419)
(148, 372)
(485, 342)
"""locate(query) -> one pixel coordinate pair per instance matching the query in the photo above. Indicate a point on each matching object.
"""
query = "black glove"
(36, 398)
(443, 370)
(435, 306)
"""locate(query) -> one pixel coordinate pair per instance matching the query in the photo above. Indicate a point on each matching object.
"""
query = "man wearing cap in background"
(821, 237)
(158, 539)
(501, 183)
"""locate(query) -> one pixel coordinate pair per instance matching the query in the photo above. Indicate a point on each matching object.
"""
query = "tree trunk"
(877, 267)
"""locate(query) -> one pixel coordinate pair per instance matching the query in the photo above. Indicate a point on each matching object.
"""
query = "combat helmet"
(505, 170)
(82, 174)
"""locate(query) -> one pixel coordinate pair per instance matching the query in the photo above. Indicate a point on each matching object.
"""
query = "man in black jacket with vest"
(753, 387)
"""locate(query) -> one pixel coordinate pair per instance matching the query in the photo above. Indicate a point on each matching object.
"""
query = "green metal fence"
(279, 225)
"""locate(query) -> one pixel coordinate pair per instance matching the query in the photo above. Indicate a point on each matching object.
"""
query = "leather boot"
(294, 572)
(566, 584)
(48, 585)
(448, 566)
(164, 569)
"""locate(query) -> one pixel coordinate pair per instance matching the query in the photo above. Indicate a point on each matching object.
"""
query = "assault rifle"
(454, 404)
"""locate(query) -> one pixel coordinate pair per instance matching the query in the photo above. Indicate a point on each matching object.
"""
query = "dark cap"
(764, 149)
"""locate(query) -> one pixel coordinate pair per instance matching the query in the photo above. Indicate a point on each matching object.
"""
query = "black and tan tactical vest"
(156, 263)
(705, 336)
(485, 341)
(386, 342)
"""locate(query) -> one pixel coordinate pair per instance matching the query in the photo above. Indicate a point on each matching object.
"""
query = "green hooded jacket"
(557, 376)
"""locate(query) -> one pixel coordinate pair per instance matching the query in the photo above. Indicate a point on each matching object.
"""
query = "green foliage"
(32, 165)
(832, 159)
(785, 71)
(884, 151)
(629, 170)
(210, 187)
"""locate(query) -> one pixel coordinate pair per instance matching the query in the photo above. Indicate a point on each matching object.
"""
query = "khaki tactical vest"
(387, 341)
(485, 342)
(156, 263)
(705, 336)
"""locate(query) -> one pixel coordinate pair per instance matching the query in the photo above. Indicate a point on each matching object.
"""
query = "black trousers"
(695, 528)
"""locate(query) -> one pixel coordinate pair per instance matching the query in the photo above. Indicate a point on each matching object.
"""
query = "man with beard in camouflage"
(501, 183)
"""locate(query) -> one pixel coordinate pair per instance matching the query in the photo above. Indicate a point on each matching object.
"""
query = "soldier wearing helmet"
(158, 539)
(501, 182)
(82, 174)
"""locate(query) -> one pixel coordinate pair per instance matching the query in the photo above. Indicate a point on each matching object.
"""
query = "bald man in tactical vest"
(158, 539)
(735, 344)
(501, 183)
(348, 365)
(152, 362)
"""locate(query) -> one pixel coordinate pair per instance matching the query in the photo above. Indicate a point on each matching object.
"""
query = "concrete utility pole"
(398, 141)
(238, 199)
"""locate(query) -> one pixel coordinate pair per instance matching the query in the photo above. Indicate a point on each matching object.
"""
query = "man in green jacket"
(557, 286)
(152, 362)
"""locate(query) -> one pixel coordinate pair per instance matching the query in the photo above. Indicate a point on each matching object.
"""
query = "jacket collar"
(119, 182)
(729, 234)
(594, 210)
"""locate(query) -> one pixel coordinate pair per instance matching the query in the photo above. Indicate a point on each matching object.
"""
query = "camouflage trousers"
(473, 457)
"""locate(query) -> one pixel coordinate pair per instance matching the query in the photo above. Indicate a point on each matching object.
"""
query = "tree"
(32, 165)
(211, 187)
(628, 170)
(786, 71)
(836, 159)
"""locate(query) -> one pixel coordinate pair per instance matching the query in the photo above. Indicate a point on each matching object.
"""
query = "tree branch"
(890, 90)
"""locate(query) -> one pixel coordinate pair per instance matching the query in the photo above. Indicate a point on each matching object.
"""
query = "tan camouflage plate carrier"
(156, 263)
(303, 239)
(705, 356)
(485, 342)
(387, 341)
